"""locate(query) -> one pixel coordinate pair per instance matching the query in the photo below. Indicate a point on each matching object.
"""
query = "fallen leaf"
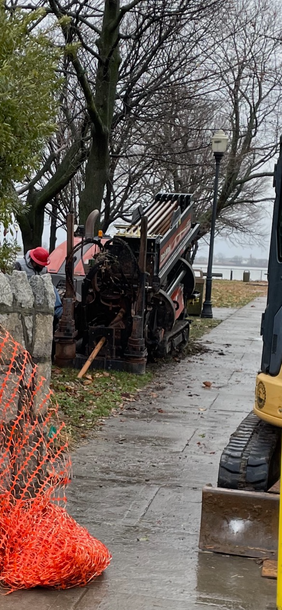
(207, 384)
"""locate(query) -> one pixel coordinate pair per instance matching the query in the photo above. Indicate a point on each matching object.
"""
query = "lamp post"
(219, 143)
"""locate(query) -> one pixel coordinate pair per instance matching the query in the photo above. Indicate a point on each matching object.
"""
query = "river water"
(236, 273)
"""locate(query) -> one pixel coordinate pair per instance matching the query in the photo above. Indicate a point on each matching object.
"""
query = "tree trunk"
(31, 222)
(95, 177)
(97, 170)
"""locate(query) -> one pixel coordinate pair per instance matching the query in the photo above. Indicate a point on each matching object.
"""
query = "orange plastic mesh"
(40, 544)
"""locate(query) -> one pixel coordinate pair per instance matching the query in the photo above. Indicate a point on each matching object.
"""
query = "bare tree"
(248, 62)
(146, 84)
(119, 55)
(237, 86)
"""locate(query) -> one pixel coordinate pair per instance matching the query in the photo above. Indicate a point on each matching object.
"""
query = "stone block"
(6, 294)
(21, 289)
(49, 292)
(13, 324)
(43, 372)
(9, 383)
(43, 291)
(42, 337)
(27, 322)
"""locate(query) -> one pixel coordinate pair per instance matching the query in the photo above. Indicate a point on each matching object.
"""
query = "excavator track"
(251, 460)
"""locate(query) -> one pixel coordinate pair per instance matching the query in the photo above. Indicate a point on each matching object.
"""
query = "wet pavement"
(137, 486)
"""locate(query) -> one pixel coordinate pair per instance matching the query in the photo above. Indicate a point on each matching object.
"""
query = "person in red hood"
(34, 262)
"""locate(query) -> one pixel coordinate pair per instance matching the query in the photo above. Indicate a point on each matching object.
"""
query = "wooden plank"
(275, 489)
(93, 355)
(269, 568)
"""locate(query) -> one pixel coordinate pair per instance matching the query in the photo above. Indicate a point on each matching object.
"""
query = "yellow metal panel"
(268, 398)
(279, 562)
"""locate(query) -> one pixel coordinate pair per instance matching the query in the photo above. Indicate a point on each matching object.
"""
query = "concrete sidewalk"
(137, 486)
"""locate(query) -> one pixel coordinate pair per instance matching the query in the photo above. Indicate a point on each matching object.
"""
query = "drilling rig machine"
(134, 288)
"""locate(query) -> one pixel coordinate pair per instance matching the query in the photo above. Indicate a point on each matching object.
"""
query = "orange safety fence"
(40, 544)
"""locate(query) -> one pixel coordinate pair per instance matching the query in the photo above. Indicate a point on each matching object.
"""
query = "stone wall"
(27, 311)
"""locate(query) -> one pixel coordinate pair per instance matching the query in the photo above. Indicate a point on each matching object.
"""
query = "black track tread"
(251, 460)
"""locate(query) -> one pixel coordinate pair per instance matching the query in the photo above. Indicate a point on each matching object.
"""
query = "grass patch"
(84, 402)
(201, 326)
(227, 293)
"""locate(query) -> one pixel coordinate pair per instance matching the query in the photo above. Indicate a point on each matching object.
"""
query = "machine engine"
(137, 286)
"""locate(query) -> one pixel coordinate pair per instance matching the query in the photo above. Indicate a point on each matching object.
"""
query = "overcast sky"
(237, 247)
(222, 246)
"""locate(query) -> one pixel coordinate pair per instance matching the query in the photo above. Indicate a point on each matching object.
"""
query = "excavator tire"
(251, 460)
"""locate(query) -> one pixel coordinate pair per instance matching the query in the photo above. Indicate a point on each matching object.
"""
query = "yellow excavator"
(240, 516)
(251, 458)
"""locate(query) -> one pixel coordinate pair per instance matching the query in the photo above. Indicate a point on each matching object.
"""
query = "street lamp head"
(219, 142)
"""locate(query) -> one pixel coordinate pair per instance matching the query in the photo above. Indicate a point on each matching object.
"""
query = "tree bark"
(96, 176)
(31, 222)
(98, 164)
(31, 219)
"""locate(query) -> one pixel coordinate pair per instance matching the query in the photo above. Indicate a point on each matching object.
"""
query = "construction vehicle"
(129, 293)
(250, 463)
(85, 248)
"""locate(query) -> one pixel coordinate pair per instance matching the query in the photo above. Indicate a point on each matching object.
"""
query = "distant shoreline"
(234, 264)
(233, 271)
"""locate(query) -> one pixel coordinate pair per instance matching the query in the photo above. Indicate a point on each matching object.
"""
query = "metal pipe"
(90, 223)
(69, 268)
(142, 263)
(176, 282)
(207, 305)
(149, 213)
(160, 218)
(159, 213)
(136, 347)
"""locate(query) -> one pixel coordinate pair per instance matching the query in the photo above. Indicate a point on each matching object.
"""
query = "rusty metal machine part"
(251, 458)
(137, 287)
(65, 335)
